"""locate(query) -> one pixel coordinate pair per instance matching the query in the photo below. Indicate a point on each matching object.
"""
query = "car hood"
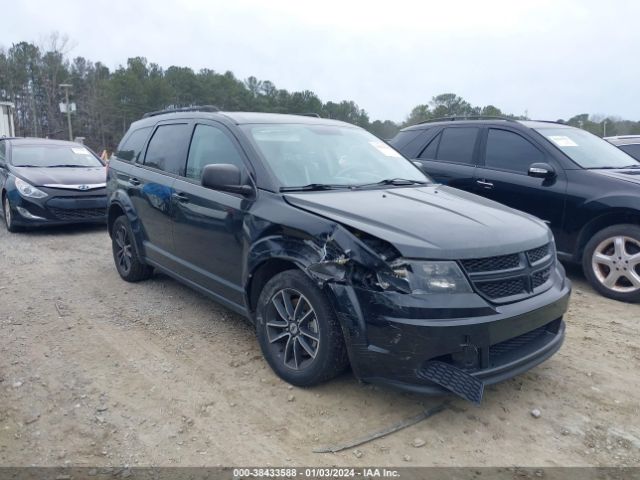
(436, 222)
(628, 175)
(59, 176)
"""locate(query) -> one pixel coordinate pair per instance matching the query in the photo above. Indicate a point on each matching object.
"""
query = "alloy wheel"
(124, 249)
(616, 264)
(7, 212)
(293, 329)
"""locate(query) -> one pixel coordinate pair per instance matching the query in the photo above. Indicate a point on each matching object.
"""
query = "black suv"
(338, 249)
(585, 189)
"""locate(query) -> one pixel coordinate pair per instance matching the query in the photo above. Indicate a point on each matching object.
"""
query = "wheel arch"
(605, 220)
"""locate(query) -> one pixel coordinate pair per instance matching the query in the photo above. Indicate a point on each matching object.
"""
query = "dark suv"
(338, 249)
(585, 189)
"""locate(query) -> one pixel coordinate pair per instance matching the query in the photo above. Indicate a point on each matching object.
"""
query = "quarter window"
(431, 150)
(457, 144)
(210, 145)
(509, 151)
(168, 148)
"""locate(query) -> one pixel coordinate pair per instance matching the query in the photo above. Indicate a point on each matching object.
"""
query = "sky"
(549, 59)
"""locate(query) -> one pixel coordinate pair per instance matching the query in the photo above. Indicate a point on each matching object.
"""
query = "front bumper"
(60, 207)
(391, 337)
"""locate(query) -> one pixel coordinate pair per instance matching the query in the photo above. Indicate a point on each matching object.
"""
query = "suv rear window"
(130, 149)
(167, 148)
(456, 145)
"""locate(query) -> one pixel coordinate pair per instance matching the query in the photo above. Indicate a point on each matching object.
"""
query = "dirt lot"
(95, 371)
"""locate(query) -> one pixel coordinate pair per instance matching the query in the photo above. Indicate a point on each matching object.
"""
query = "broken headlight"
(410, 276)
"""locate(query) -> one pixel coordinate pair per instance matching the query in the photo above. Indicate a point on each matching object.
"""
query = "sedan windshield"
(53, 156)
(317, 156)
(586, 149)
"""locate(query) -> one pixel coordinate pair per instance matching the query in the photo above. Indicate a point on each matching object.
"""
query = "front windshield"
(52, 156)
(586, 149)
(339, 156)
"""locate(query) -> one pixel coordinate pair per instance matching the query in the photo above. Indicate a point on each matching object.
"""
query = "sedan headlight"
(410, 276)
(28, 190)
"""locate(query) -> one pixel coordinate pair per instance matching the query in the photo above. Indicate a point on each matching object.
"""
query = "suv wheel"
(125, 255)
(611, 262)
(8, 216)
(298, 331)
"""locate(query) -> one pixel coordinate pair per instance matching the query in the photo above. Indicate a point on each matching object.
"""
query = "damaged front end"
(423, 326)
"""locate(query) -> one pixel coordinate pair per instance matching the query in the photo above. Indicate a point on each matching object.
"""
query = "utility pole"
(604, 128)
(66, 87)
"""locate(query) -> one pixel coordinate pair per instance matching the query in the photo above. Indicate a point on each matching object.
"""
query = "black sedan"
(50, 182)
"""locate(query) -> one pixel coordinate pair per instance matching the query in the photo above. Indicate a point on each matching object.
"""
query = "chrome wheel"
(292, 329)
(616, 264)
(124, 253)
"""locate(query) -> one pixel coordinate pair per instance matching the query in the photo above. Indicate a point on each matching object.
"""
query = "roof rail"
(196, 108)
(309, 114)
(467, 117)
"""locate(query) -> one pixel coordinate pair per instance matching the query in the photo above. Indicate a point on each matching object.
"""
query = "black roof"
(485, 121)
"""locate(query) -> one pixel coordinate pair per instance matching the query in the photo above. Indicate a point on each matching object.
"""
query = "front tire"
(125, 255)
(8, 216)
(611, 262)
(298, 331)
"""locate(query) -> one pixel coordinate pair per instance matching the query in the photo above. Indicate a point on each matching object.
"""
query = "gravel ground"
(98, 372)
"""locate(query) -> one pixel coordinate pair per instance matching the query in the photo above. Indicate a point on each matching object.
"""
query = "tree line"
(107, 101)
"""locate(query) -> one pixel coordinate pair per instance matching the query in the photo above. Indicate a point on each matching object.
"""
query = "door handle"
(134, 181)
(180, 197)
(485, 184)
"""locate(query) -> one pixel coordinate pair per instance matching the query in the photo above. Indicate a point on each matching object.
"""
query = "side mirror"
(418, 164)
(541, 170)
(224, 177)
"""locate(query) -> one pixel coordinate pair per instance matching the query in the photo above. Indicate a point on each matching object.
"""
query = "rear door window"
(457, 144)
(130, 149)
(509, 151)
(167, 150)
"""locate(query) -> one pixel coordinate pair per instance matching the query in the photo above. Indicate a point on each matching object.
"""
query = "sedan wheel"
(8, 217)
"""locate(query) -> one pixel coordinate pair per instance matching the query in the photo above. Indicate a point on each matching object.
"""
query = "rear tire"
(8, 216)
(298, 331)
(611, 262)
(125, 254)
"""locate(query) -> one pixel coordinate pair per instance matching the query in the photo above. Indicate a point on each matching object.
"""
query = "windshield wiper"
(394, 181)
(314, 187)
(70, 166)
(635, 165)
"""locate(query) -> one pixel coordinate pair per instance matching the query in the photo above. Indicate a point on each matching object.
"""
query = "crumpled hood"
(435, 221)
(40, 177)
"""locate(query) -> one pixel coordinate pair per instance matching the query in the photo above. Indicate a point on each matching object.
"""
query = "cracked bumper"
(391, 336)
